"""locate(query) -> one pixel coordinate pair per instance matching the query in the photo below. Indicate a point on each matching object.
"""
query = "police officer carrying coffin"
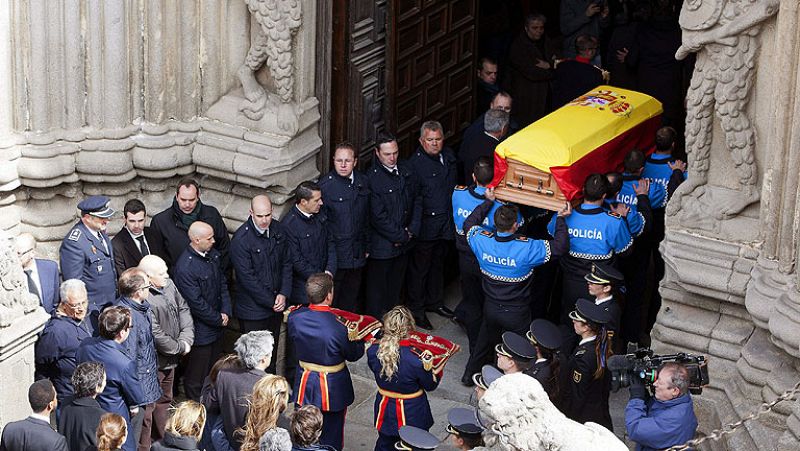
(345, 196)
(87, 254)
(638, 216)
(507, 261)
(594, 235)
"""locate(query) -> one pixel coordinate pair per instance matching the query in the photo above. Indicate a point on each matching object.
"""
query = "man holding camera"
(667, 419)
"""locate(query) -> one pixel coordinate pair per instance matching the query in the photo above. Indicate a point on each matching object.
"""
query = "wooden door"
(431, 67)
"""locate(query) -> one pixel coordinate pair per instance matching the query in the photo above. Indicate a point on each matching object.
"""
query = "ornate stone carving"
(15, 300)
(724, 34)
(278, 22)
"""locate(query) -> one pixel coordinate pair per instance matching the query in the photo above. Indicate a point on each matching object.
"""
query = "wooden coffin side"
(527, 185)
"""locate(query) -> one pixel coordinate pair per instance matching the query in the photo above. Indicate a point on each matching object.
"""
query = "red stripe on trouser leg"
(381, 412)
(401, 414)
(302, 388)
(323, 387)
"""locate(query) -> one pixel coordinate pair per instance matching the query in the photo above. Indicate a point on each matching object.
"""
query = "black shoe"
(466, 380)
(443, 311)
(423, 323)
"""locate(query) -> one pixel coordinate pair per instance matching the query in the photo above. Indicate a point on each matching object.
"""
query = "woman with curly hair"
(184, 428)
(111, 432)
(270, 395)
(402, 380)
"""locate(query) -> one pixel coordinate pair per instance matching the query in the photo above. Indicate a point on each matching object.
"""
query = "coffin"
(546, 163)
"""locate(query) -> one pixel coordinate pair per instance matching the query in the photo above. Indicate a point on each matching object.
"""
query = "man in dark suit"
(80, 415)
(134, 240)
(42, 274)
(34, 433)
(494, 129)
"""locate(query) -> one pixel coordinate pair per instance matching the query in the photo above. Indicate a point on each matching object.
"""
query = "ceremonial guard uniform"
(322, 347)
(89, 256)
(402, 400)
(507, 262)
(586, 397)
(547, 338)
(346, 204)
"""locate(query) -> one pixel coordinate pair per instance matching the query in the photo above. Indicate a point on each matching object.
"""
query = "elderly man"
(668, 418)
(229, 397)
(61, 337)
(173, 331)
(263, 262)
(87, 254)
(134, 289)
(495, 129)
(80, 416)
(123, 393)
(170, 226)
(34, 433)
(200, 278)
(42, 274)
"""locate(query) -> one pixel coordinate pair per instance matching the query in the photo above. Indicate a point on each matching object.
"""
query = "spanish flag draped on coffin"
(547, 162)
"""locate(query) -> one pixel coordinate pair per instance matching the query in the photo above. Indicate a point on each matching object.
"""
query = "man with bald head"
(262, 260)
(200, 279)
(42, 274)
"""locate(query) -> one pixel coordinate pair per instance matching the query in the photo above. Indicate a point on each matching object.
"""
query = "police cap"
(517, 347)
(487, 375)
(463, 422)
(413, 438)
(587, 311)
(545, 334)
(96, 206)
(604, 274)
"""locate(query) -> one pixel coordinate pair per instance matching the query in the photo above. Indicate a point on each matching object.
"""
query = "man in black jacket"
(170, 226)
(395, 216)
(34, 433)
(345, 194)
(263, 262)
(435, 168)
(134, 240)
(80, 416)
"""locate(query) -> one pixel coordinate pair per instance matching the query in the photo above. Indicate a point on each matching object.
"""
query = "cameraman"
(668, 418)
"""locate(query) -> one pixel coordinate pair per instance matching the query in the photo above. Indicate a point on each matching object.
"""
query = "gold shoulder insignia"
(460, 187)
(613, 215)
(289, 310)
(576, 376)
(487, 232)
(521, 238)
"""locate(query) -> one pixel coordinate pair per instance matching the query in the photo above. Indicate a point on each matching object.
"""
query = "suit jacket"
(48, 280)
(126, 252)
(31, 434)
(78, 422)
(229, 399)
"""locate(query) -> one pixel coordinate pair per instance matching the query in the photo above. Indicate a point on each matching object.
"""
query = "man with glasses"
(134, 289)
(61, 337)
(42, 274)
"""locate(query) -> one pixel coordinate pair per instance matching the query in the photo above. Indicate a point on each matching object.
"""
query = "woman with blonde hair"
(111, 432)
(402, 380)
(269, 399)
(184, 428)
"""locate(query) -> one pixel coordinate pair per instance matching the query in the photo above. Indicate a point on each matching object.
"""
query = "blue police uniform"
(87, 256)
(312, 248)
(346, 203)
(322, 348)
(507, 262)
(437, 176)
(402, 400)
(123, 388)
(56, 348)
(395, 211)
(657, 170)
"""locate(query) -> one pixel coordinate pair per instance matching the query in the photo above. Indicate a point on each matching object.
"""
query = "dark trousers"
(272, 324)
(544, 278)
(574, 287)
(426, 276)
(161, 412)
(198, 364)
(470, 309)
(347, 296)
(384, 282)
(498, 317)
(658, 270)
(634, 266)
(333, 429)
(145, 437)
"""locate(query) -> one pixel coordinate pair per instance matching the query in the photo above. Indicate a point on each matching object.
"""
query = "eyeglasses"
(146, 287)
(77, 306)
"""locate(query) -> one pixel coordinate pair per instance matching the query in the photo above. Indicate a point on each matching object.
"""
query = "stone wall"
(731, 289)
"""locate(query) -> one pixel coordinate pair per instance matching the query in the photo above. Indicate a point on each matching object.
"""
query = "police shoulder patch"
(485, 232)
(521, 238)
(613, 215)
(460, 188)
(576, 376)
(74, 235)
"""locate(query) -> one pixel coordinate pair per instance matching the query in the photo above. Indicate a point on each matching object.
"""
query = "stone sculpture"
(518, 415)
(15, 300)
(278, 22)
(724, 34)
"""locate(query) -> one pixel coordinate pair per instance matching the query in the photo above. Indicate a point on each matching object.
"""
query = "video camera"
(643, 364)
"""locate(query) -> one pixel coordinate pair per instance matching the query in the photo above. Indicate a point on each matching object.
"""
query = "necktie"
(394, 171)
(143, 246)
(32, 285)
(100, 237)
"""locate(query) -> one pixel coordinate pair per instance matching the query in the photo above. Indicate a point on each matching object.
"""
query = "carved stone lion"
(15, 300)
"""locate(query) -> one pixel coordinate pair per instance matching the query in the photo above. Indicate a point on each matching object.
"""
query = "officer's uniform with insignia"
(415, 439)
(594, 235)
(507, 262)
(517, 348)
(322, 347)
(605, 274)
(547, 337)
(585, 398)
(470, 309)
(463, 423)
(88, 255)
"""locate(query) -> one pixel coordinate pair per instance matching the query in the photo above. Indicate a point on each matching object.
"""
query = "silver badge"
(99, 268)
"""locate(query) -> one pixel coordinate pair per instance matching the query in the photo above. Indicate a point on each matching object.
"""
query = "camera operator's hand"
(637, 389)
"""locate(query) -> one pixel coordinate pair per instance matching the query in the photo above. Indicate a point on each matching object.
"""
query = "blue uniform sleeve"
(657, 195)
(475, 219)
(551, 226)
(71, 259)
(246, 279)
(353, 350)
(201, 309)
(652, 432)
(426, 379)
(620, 239)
